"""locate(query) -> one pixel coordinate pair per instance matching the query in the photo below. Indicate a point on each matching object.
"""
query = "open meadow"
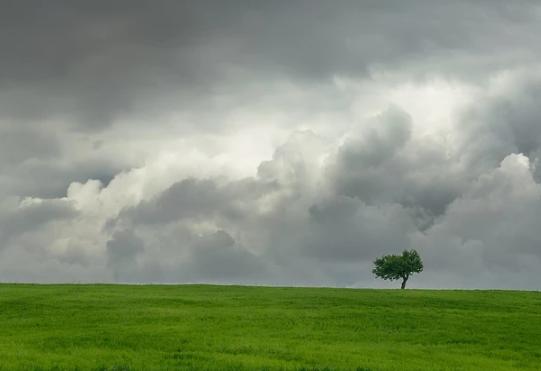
(129, 327)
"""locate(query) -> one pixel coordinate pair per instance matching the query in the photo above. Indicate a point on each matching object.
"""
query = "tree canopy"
(395, 267)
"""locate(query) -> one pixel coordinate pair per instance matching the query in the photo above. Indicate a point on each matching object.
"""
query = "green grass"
(116, 327)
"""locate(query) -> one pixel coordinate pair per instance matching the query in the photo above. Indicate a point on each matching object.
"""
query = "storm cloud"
(284, 142)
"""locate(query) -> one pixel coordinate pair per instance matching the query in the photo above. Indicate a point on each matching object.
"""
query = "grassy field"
(115, 327)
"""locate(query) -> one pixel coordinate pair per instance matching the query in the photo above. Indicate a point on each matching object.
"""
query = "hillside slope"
(121, 327)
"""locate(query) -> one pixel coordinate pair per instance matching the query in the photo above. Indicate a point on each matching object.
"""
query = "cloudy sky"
(270, 142)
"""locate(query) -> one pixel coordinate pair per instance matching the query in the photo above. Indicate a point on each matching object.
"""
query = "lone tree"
(395, 267)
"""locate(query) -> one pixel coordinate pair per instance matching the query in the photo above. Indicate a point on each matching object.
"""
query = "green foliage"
(145, 327)
(394, 267)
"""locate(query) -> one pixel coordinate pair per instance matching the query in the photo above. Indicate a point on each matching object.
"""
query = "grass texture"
(198, 327)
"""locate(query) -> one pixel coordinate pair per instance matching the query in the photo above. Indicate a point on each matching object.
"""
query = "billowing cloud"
(273, 143)
(490, 231)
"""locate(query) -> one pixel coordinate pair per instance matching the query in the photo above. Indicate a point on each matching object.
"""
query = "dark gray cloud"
(344, 229)
(50, 179)
(92, 63)
(122, 251)
(217, 257)
(506, 123)
(200, 199)
(490, 230)
(17, 218)
(38, 144)
(383, 165)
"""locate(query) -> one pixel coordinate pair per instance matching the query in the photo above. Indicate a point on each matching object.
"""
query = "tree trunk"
(404, 280)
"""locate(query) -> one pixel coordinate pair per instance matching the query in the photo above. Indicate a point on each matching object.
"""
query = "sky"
(270, 142)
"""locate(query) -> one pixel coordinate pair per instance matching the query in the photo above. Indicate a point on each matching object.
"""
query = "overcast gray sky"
(270, 142)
